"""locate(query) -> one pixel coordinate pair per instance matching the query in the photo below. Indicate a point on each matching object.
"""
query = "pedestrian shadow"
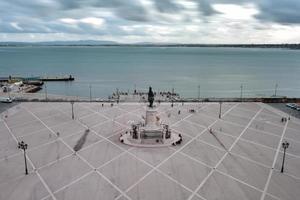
(81, 141)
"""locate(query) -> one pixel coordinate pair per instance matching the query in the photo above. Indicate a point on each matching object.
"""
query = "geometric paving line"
(203, 182)
(292, 165)
(233, 123)
(176, 181)
(288, 174)
(259, 153)
(209, 154)
(91, 187)
(264, 132)
(22, 188)
(194, 159)
(160, 187)
(102, 115)
(130, 112)
(261, 138)
(41, 179)
(274, 162)
(235, 154)
(240, 116)
(284, 186)
(250, 141)
(161, 163)
(49, 153)
(163, 173)
(88, 173)
(84, 146)
(226, 173)
(221, 186)
(69, 184)
(61, 141)
(125, 171)
(245, 170)
(156, 167)
(267, 196)
(115, 186)
(83, 159)
(217, 170)
(294, 148)
(187, 173)
(212, 145)
(153, 169)
(251, 160)
(55, 161)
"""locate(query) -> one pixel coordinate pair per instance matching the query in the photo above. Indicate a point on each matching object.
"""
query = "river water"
(220, 72)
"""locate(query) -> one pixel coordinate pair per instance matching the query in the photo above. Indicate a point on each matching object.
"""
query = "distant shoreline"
(269, 46)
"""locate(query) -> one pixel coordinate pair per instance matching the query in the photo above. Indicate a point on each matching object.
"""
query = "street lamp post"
(220, 111)
(241, 92)
(46, 95)
(72, 104)
(276, 86)
(90, 86)
(23, 146)
(118, 95)
(285, 145)
(199, 93)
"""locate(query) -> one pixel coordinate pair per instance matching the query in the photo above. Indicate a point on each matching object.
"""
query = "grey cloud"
(37, 16)
(7, 27)
(131, 10)
(70, 4)
(138, 14)
(167, 6)
(281, 11)
(205, 7)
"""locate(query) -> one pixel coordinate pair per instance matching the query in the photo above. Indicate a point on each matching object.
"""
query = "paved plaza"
(237, 157)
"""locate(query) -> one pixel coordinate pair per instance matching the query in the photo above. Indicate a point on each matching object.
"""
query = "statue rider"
(150, 97)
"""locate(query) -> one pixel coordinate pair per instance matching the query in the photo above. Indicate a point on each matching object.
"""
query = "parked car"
(293, 106)
(6, 99)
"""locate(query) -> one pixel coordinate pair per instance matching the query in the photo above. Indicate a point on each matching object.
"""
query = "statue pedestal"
(151, 119)
(152, 127)
(153, 134)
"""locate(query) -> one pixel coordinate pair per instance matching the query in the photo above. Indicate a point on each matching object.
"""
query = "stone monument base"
(151, 142)
(152, 134)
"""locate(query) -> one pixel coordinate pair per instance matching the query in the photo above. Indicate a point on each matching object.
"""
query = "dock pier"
(57, 78)
(38, 78)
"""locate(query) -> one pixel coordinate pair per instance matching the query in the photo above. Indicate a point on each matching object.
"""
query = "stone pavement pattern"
(240, 159)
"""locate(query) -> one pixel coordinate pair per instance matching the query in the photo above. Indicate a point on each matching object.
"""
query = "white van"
(6, 99)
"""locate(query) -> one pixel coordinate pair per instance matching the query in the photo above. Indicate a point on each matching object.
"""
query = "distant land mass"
(61, 43)
(142, 44)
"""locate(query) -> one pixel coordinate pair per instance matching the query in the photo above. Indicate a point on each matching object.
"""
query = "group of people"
(284, 119)
(179, 141)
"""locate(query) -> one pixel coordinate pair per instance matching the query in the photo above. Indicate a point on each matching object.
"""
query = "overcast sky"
(130, 21)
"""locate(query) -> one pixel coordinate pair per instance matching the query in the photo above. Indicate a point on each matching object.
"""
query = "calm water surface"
(219, 71)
